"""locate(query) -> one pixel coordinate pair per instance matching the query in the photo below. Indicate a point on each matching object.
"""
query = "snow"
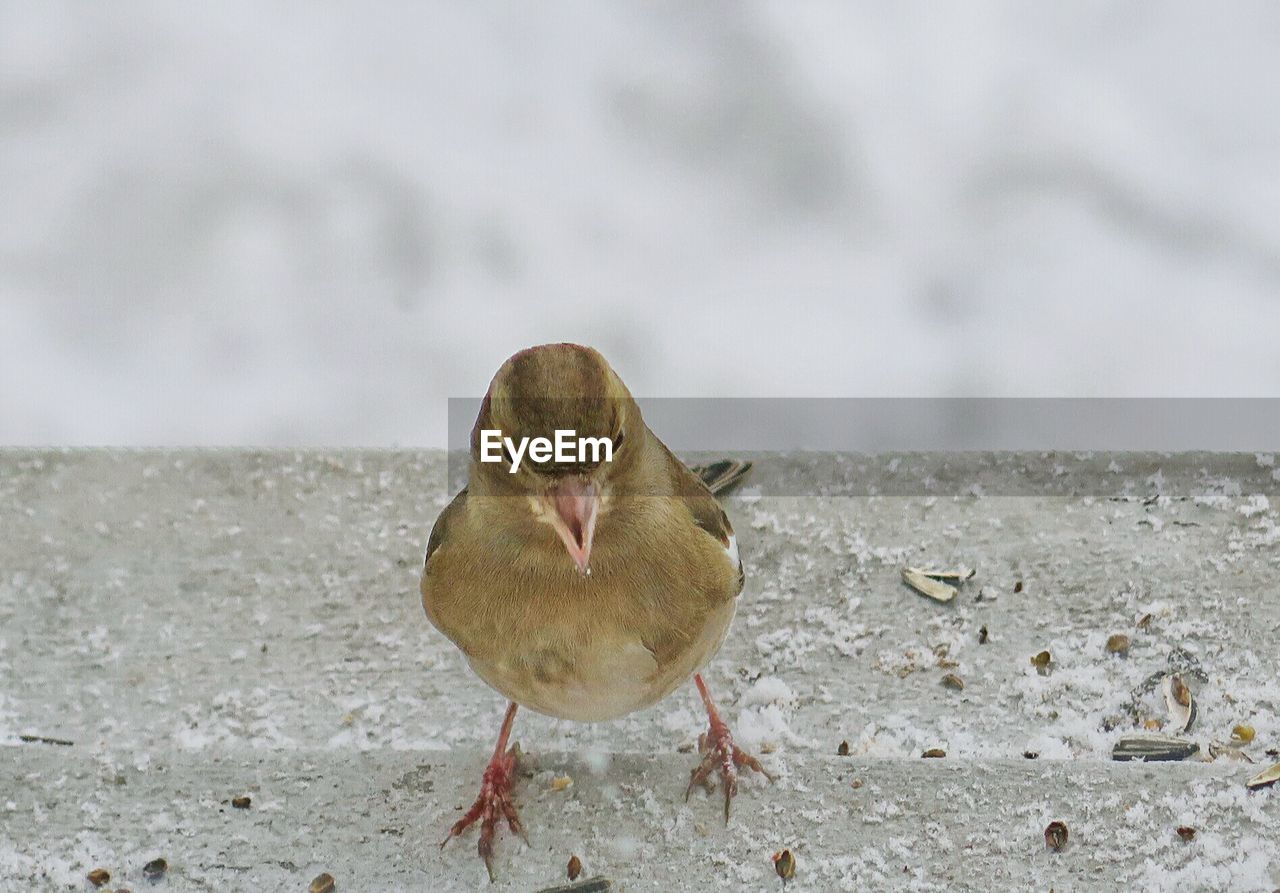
(298, 665)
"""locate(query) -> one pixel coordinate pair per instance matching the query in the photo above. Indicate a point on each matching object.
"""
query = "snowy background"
(244, 223)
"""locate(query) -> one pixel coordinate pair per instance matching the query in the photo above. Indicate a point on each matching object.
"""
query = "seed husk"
(1179, 701)
(1118, 644)
(241, 802)
(983, 635)
(1242, 734)
(322, 883)
(927, 585)
(1264, 778)
(952, 681)
(1041, 662)
(98, 877)
(1153, 748)
(784, 863)
(1230, 750)
(843, 749)
(1186, 832)
(956, 576)
(933, 753)
(155, 869)
(561, 782)
(574, 868)
(1017, 587)
(1144, 622)
(590, 885)
(1031, 754)
(1055, 836)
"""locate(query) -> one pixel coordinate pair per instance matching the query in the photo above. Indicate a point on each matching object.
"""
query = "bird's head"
(556, 431)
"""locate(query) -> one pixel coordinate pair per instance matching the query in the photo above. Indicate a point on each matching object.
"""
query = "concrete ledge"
(206, 624)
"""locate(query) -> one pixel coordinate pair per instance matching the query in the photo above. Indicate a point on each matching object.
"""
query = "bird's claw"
(719, 752)
(493, 803)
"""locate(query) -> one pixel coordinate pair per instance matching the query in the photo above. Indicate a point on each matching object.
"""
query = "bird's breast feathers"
(593, 648)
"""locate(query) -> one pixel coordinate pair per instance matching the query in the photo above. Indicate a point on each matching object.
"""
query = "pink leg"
(719, 752)
(495, 800)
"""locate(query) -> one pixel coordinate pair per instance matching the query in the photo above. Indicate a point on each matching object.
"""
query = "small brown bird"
(586, 583)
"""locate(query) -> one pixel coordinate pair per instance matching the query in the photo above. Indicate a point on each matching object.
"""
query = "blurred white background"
(311, 223)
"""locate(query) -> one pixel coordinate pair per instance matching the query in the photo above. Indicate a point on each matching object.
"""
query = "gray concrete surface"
(207, 624)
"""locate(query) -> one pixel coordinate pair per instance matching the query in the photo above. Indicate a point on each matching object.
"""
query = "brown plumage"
(581, 589)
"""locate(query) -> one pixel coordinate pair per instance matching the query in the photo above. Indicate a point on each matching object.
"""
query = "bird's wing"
(722, 475)
(706, 511)
(440, 532)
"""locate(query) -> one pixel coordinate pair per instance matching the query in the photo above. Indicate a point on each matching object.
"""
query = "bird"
(586, 585)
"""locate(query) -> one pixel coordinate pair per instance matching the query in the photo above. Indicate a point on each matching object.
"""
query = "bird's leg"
(719, 752)
(495, 800)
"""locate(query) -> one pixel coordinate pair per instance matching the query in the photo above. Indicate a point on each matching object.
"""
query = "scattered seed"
(933, 753)
(98, 876)
(952, 681)
(1242, 734)
(1151, 725)
(1017, 587)
(1187, 833)
(856, 783)
(1265, 777)
(322, 883)
(560, 782)
(784, 863)
(1182, 706)
(1273, 751)
(155, 869)
(590, 885)
(843, 749)
(575, 868)
(1055, 836)
(1230, 751)
(956, 576)
(926, 585)
(241, 802)
(1153, 748)
(982, 635)
(45, 739)
(1031, 754)
(1144, 622)
(1118, 644)
(1041, 662)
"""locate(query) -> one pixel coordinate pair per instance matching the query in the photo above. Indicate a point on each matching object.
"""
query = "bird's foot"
(494, 802)
(719, 752)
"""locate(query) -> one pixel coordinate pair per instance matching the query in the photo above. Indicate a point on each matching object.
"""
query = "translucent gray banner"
(953, 446)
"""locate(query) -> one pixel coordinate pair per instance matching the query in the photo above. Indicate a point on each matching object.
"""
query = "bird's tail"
(723, 475)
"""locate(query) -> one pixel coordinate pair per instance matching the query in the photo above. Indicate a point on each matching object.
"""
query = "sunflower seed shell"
(1153, 748)
(1265, 777)
(927, 585)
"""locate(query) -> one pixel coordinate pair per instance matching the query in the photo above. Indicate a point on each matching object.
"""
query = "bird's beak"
(574, 503)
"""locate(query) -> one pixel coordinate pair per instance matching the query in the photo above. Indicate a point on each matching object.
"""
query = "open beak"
(574, 504)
